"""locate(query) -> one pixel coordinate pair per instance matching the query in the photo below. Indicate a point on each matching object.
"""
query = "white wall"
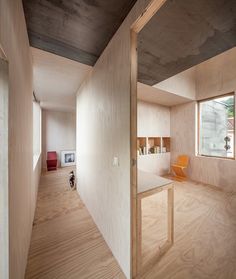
(58, 133)
(214, 77)
(14, 40)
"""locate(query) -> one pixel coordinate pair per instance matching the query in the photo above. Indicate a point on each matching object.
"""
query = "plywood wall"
(215, 77)
(153, 120)
(58, 133)
(14, 40)
(103, 132)
(182, 84)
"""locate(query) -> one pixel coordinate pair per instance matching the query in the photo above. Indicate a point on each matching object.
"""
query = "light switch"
(115, 161)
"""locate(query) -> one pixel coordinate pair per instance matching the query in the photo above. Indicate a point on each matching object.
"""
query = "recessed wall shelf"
(165, 144)
(153, 145)
(142, 145)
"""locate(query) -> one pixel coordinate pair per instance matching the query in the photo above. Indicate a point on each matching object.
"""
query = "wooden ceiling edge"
(147, 14)
(136, 27)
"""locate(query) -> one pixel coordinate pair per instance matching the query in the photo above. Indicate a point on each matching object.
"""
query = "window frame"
(198, 128)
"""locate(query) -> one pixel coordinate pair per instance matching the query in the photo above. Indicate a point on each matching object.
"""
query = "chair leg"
(179, 173)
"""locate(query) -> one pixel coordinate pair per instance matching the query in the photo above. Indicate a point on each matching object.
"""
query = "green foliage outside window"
(230, 106)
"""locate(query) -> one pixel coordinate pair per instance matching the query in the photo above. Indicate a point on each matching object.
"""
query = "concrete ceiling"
(56, 80)
(183, 34)
(75, 29)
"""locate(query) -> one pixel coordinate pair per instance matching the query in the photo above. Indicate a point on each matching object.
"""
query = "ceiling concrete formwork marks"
(183, 34)
(76, 29)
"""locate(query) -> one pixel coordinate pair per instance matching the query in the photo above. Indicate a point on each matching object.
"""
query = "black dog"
(72, 180)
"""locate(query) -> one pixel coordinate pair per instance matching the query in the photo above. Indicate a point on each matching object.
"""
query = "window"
(36, 133)
(216, 127)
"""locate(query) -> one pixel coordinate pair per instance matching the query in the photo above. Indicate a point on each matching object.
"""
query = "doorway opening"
(138, 25)
(182, 123)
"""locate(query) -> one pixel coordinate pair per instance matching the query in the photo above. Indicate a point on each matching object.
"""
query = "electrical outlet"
(115, 161)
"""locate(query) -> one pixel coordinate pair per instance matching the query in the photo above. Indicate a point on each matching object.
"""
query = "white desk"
(150, 184)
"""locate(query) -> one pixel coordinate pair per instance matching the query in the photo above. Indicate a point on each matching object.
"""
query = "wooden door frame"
(4, 183)
(136, 27)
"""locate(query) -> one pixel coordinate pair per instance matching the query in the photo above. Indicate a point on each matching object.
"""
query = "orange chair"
(180, 166)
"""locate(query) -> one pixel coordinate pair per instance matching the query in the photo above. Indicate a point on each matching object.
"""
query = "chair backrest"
(183, 160)
(51, 155)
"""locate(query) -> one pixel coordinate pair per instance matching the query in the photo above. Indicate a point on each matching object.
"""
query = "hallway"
(65, 241)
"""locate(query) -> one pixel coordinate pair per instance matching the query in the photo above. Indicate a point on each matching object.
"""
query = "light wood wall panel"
(215, 77)
(182, 84)
(153, 120)
(103, 132)
(14, 40)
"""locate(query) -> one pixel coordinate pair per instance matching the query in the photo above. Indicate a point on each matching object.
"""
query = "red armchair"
(51, 160)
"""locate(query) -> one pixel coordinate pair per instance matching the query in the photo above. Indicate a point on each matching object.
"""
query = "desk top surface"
(148, 181)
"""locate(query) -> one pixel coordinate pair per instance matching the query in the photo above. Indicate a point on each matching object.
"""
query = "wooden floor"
(205, 234)
(65, 241)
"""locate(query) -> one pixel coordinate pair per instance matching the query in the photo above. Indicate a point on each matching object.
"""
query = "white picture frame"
(68, 158)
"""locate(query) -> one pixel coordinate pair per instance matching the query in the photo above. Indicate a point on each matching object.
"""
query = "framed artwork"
(68, 158)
